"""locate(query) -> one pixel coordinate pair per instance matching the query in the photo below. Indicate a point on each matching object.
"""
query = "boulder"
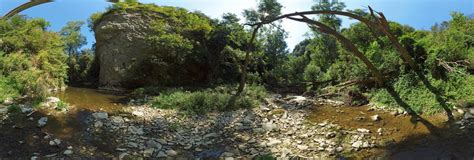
(128, 59)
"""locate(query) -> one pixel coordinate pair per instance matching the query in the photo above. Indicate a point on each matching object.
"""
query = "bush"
(457, 90)
(62, 105)
(32, 59)
(208, 100)
(7, 89)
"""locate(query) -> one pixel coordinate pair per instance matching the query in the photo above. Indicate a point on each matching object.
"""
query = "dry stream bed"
(101, 125)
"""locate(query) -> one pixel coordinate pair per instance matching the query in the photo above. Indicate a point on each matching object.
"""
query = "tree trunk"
(243, 77)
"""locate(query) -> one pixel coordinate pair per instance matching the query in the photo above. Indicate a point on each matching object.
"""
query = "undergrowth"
(197, 102)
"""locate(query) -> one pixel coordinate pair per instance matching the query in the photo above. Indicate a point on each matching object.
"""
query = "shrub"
(62, 105)
(32, 59)
(457, 90)
(7, 89)
(208, 100)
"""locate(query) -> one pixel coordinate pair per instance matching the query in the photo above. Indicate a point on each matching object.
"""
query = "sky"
(421, 14)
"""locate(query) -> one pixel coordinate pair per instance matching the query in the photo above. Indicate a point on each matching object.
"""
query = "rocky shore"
(279, 128)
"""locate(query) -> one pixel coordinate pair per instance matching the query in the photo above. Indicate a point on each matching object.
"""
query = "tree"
(267, 9)
(72, 37)
(329, 5)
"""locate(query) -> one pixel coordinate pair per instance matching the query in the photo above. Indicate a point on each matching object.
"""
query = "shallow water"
(93, 99)
(413, 140)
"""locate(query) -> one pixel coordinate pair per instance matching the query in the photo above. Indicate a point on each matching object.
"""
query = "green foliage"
(208, 100)
(31, 58)
(62, 105)
(457, 90)
(72, 37)
(83, 67)
(8, 89)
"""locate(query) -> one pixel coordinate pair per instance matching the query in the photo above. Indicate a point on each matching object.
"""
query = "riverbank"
(284, 127)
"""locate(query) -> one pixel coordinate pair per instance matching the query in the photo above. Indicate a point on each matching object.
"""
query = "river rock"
(153, 144)
(375, 117)
(135, 130)
(98, 124)
(363, 130)
(273, 142)
(8, 101)
(100, 115)
(138, 113)
(269, 126)
(117, 120)
(471, 110)
(357, 144)
(42, 121)
(302, 147)
(67, 152)
(161, 154)
(300, 100)
(148, 152)
(171, 153)
(55, 142)
(379, 131)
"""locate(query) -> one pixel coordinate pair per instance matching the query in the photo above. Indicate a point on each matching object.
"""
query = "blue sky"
(421, 14)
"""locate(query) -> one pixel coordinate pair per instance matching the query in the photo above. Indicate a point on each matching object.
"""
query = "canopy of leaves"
(32, 59)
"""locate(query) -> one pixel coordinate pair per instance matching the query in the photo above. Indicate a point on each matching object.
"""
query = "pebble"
(68, 152)
(273, 142)
(171, 153)
(375, 117)
(55, 142)
(138, 113)
(98, 124)
(363, 130)
(42, 121)
(161, 154)
(302, 147)
(100, 115)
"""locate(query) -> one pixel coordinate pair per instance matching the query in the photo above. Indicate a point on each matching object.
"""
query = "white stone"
(68, 152)
(273, 142)
(357, 144)
(8, 101)
(100, 115)
(269, 126)
(98, 124)
(55, 142)
(42, 121)
(138, 113)
(171, 152)
(363, 130)
(379, 131)
(148, 152)
(52, 100)
(302, 147)
(375, 117)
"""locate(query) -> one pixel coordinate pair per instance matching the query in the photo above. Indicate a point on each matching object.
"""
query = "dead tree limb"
(24, 6)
